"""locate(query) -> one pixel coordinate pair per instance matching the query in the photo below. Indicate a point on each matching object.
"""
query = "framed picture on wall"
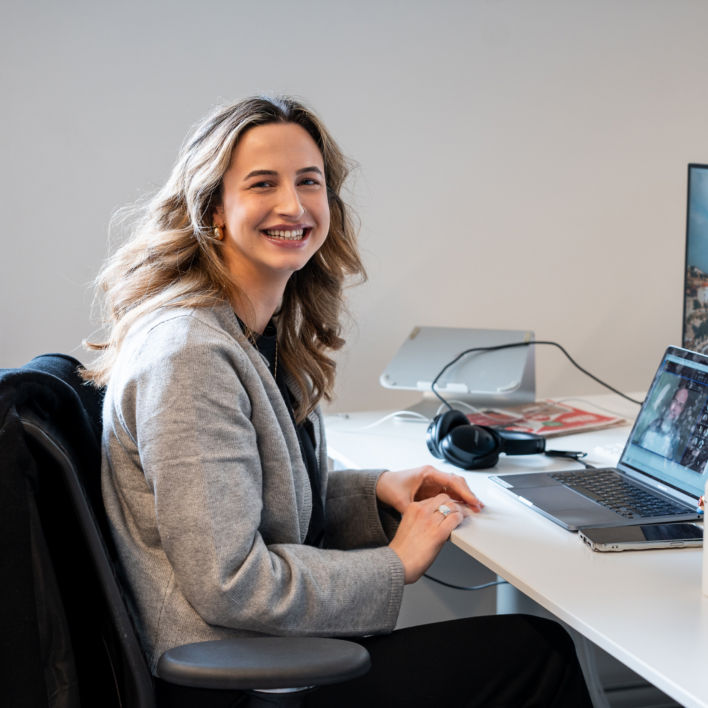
(695, 303)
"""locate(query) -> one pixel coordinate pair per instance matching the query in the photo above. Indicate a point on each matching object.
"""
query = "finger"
(432, 503)
(431, 481)
(451, 520)
(459, 490)
(467, 510)
(449, 508)
(455, 485)
(463, 507)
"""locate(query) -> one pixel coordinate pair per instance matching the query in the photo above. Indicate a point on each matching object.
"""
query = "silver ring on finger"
(444, 509)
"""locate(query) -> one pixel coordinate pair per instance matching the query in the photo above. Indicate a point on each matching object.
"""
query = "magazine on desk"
(548, 418)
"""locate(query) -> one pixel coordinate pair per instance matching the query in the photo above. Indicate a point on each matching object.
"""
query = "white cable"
(396, 414)
(460, 404)
(592, 404)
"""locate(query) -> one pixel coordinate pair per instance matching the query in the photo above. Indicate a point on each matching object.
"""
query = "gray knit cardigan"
(209, 500)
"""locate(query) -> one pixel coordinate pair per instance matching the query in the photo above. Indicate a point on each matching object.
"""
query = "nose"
(289, 203)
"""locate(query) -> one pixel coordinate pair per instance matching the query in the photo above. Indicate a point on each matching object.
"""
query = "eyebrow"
(271, 173)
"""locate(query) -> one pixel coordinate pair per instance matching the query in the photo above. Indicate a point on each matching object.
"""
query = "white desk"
(644, 607)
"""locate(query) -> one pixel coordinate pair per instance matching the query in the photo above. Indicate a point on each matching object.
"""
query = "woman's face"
(274, 206)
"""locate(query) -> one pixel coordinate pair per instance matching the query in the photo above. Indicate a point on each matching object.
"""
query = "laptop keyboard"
(614, 492)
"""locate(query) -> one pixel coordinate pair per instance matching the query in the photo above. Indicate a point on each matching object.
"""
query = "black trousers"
(501, 661)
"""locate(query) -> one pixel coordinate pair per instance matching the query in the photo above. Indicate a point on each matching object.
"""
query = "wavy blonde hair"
(172, 258)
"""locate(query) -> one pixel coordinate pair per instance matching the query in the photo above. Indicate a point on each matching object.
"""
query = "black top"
(266, 345)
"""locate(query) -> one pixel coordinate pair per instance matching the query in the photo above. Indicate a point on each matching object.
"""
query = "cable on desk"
(412, 416)
(465, 587)
(571, 455)
(586, 402)
(499, 347)
(459, 405)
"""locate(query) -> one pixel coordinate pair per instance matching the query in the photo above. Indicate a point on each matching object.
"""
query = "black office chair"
(71, 634)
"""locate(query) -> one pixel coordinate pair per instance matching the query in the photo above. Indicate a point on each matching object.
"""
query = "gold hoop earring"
(217, 232)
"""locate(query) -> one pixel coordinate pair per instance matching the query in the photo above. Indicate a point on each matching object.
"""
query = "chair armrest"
(263, 663)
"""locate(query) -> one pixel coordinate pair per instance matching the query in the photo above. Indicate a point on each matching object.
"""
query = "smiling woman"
(175, 256)
(223, 309)
(273, 215)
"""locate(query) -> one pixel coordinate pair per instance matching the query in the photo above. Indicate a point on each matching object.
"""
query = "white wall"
(522, 163)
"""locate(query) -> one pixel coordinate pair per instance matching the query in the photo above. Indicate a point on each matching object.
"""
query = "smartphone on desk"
(644, 536)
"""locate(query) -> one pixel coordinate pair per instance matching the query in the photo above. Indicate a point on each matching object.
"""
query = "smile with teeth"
(287, 235)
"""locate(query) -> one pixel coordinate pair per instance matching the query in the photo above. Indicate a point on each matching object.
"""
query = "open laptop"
(661, 472)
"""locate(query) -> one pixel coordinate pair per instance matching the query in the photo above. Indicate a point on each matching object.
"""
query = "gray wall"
(522, 164)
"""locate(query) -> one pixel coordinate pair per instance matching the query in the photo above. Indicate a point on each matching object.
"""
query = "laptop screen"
(669, 441)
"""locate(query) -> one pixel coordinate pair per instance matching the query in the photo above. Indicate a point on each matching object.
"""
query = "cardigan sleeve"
(355, 518)
(219, 497)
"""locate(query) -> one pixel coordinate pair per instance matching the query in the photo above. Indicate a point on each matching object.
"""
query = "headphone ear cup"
(439, 428)
(472, 447)
(513, 442)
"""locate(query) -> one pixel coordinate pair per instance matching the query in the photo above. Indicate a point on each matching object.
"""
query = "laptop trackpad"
(570, 508)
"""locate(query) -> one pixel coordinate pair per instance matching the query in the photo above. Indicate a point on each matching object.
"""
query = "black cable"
(465, 587)
(524, 344)
(571, 455)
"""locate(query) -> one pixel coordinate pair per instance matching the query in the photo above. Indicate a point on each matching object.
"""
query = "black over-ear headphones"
(452, 437)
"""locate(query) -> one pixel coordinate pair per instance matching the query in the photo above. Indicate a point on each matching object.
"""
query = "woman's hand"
(424, 528)
(399, 489)
(432, 504)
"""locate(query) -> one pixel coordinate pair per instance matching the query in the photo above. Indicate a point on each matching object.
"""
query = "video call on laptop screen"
(670, 437)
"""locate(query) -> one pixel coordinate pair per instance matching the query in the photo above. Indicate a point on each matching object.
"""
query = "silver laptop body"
(665, 457)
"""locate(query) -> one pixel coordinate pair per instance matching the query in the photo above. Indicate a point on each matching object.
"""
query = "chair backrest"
(60, 419)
